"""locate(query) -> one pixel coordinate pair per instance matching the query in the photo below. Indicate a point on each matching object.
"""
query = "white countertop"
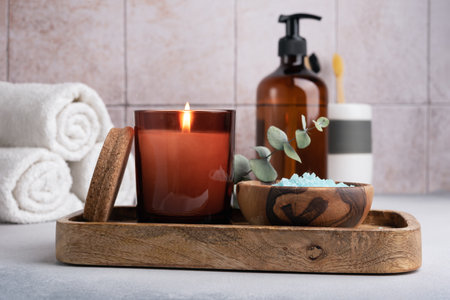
(29, 269)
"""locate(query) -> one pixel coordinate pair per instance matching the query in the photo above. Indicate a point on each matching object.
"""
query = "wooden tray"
(387, 242)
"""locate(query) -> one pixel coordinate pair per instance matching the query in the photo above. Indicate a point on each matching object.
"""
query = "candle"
(183, 161)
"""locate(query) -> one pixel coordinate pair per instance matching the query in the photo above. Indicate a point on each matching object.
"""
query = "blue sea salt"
(309, 180)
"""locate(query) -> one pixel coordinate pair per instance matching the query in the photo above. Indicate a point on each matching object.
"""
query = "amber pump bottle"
(292, 90)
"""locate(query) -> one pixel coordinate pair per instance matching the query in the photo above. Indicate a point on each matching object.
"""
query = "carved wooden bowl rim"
(356, 200)
(317, 188)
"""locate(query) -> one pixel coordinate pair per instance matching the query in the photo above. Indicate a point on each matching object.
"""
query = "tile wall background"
(158, 54)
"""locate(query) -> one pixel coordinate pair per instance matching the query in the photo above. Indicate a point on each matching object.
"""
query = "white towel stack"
(44, 130)
(34, 186)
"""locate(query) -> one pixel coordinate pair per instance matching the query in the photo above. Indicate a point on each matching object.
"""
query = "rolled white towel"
(82, 173)
(67, 118)
(34, 186)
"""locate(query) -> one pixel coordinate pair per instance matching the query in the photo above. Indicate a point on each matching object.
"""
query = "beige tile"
(180, 51)
(245, 131)
(384, 45)
(60, 41)
(258, 32)
(117, 114)
(129, 116)
(3, 38)
(439, 51)
(399, 147)
(439, 149)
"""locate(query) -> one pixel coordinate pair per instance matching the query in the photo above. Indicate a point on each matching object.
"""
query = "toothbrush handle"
(340, 90)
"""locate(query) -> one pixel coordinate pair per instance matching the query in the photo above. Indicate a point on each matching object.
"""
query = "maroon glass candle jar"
(184, 165)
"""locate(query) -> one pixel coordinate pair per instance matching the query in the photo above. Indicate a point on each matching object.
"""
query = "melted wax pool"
(309, 180)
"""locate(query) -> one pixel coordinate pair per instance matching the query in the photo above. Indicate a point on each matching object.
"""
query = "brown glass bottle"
(282, 97)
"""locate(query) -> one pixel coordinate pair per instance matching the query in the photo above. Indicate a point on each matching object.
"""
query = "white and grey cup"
(350, 156)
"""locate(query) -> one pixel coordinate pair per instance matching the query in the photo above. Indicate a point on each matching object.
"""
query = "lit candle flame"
(186, 121)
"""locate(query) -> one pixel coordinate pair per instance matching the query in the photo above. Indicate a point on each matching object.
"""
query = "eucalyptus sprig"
(278, 139)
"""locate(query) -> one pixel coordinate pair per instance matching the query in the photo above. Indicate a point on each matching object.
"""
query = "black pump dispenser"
(293, 43)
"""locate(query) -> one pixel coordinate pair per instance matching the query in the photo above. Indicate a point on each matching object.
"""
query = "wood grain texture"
(388, 242)
(263, 204)
(108, 173)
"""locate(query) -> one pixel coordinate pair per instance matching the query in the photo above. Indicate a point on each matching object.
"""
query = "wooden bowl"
(264, 204)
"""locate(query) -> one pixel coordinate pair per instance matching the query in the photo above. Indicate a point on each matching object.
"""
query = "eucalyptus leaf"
(323, 122)
(263, 170)
(263, 152)
(303, 139)
(318, 126)
(276, 137)
(290, 151)
(241, 167)
(303, 122)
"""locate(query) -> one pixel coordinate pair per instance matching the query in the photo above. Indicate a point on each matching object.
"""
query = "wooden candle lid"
(108, 173)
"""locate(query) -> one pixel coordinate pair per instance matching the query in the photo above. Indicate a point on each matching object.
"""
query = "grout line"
(381, 104)
(427, 146)
(125, 65)
(8, 4)
(336, 50)
(114, 105)
(439, 104)
(235, 54)
(428, 50)
(336, 24)
(246, 105)
(393, 104)
(427, 149)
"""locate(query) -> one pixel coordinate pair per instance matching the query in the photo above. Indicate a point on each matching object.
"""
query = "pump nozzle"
(293, 43)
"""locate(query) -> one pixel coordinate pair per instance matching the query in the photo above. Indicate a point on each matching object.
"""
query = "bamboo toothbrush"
(338, 66)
